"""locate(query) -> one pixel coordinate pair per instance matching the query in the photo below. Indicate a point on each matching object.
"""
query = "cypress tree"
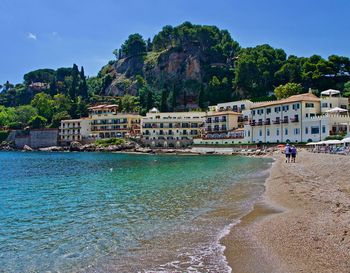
(83, 89)
(74, 86)
(174, 98)
(163, 102)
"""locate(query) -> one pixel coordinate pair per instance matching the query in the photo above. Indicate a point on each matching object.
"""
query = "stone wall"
(37, 138)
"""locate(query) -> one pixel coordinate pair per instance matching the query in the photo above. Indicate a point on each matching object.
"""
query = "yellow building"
(221, 123)
(104, 121)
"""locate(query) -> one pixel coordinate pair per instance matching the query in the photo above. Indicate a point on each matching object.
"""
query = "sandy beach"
(302, 223)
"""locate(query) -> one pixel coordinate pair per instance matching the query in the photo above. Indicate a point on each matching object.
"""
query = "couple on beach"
(290, 151)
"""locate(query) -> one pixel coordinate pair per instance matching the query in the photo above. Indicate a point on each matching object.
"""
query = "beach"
(302, 223)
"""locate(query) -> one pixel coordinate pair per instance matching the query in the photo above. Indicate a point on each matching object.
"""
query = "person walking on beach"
(287, 152)
(293, 152)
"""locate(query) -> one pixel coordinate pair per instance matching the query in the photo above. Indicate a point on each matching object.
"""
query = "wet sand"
(302, 223)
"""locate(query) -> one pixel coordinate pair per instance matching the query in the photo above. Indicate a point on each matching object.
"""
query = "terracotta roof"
(103, 106)
(295, 98)
(209, 114)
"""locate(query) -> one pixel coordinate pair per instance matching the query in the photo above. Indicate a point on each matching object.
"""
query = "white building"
(175, 129)
(299, 118)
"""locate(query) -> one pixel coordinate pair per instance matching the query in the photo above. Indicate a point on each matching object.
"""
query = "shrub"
(109, 141)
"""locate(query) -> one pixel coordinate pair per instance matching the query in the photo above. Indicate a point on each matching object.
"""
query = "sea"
(109, 212)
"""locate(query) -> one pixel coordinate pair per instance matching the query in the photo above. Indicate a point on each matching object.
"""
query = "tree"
(134, 45)
(53, 87)
(57, 117)
(61, 103)
(25, 113)
(346, 91)
(164, 102)
(116, 53)
(73, 89)
(37, 122)
(7, 116)
(129, 104)
(44, 103)
(83, 89)
(287, 90)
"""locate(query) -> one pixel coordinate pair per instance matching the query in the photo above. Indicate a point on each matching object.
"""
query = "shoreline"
(301, 223)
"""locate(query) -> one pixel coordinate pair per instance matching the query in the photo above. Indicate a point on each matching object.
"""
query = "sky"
(57, 33)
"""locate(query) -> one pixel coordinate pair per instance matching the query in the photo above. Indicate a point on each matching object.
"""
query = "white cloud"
(54, 33)
(31, 36)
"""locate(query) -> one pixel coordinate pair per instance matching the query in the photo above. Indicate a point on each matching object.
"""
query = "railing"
(252, 123)
(260, 123)
(294, 119)
(102, 130)
(277, 121)
(285, 120)
(267, 122)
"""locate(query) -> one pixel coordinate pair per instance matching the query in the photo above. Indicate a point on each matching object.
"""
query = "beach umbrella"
(332, 142)
(311, 143)
(345, 140)
(336, 110)
(330, 92)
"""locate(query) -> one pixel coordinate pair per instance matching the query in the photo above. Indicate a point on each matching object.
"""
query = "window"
(306, 130)
(285, 108)
(260, 132)
(296, 131)
(268, 110)
(323, 129)
(296, 106)
(286, 131)
(277, 132)
(268, 132)
(253, 112)
(277, 109)
(325, 104)
(315, 130)
(309, 105)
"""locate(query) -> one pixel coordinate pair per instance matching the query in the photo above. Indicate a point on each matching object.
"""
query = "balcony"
(294, 119)
(285, 120)
(267, 122)
(241, 119)
(252, 123)
(260, 123)
(223, 120)
(277, 121)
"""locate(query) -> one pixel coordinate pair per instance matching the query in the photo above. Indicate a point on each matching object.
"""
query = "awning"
(336, 110)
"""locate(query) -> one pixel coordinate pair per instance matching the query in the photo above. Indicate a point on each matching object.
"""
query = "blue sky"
(51, 34)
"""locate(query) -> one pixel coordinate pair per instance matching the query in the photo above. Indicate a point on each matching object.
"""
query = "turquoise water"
(97, 212)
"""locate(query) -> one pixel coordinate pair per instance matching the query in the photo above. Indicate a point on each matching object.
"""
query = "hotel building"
(173, 129)
(104, 121)
(299, 118)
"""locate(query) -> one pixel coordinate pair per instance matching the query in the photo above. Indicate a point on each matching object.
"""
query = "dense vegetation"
(183, 67)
